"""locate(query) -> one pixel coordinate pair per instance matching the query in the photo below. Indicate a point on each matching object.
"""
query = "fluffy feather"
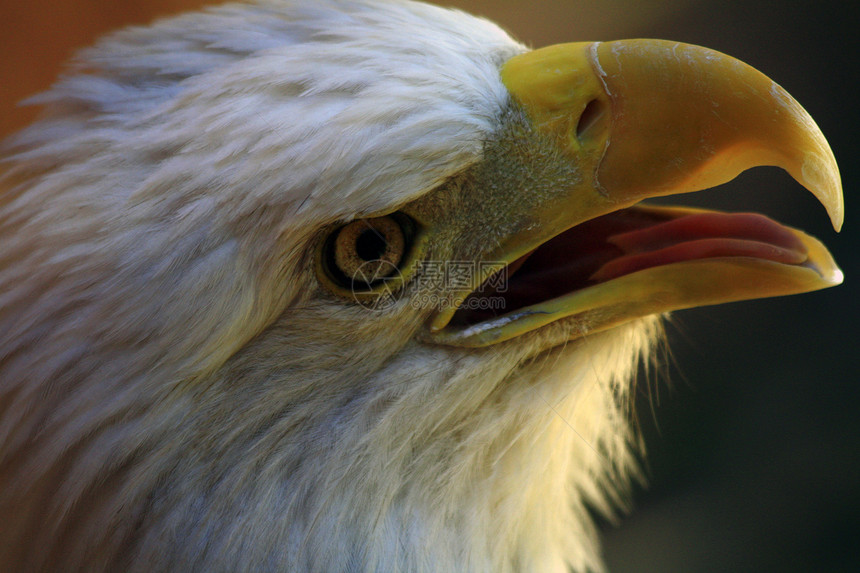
(178, 393)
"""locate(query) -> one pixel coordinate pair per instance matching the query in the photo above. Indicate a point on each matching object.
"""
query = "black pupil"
(370, 245)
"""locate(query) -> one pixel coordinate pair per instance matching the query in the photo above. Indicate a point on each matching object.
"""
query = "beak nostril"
(591, 118)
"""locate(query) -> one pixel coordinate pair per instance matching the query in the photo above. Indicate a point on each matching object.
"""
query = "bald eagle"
(361, 285)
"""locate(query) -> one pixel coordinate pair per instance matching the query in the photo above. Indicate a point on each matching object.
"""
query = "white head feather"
(176, 394)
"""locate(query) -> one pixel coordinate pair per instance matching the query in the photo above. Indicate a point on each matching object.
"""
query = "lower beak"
(641, 119)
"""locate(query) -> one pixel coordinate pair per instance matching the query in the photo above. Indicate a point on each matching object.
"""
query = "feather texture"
(176, 393)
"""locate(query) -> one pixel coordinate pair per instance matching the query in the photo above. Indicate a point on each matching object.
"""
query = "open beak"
(648, 118)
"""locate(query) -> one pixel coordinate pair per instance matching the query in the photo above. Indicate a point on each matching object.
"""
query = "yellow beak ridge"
(653, 118)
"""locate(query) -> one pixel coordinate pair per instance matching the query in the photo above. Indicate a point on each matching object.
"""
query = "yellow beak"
(647, 118)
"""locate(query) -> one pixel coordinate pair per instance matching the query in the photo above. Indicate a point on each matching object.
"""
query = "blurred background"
(752, 433)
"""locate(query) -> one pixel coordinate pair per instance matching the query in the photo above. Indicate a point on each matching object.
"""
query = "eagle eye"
(367, 252)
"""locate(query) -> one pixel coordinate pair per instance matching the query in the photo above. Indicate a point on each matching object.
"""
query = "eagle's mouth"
(639, 261)
(642, 119)
(624, 242)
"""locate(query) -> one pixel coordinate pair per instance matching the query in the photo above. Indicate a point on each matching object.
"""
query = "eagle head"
(361, 285)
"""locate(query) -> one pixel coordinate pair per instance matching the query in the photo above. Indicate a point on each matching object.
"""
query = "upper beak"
(647, 118)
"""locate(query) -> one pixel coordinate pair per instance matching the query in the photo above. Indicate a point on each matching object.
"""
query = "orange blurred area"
(40, 35)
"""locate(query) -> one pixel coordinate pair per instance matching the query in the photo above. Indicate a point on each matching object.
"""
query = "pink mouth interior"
(627, 241)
